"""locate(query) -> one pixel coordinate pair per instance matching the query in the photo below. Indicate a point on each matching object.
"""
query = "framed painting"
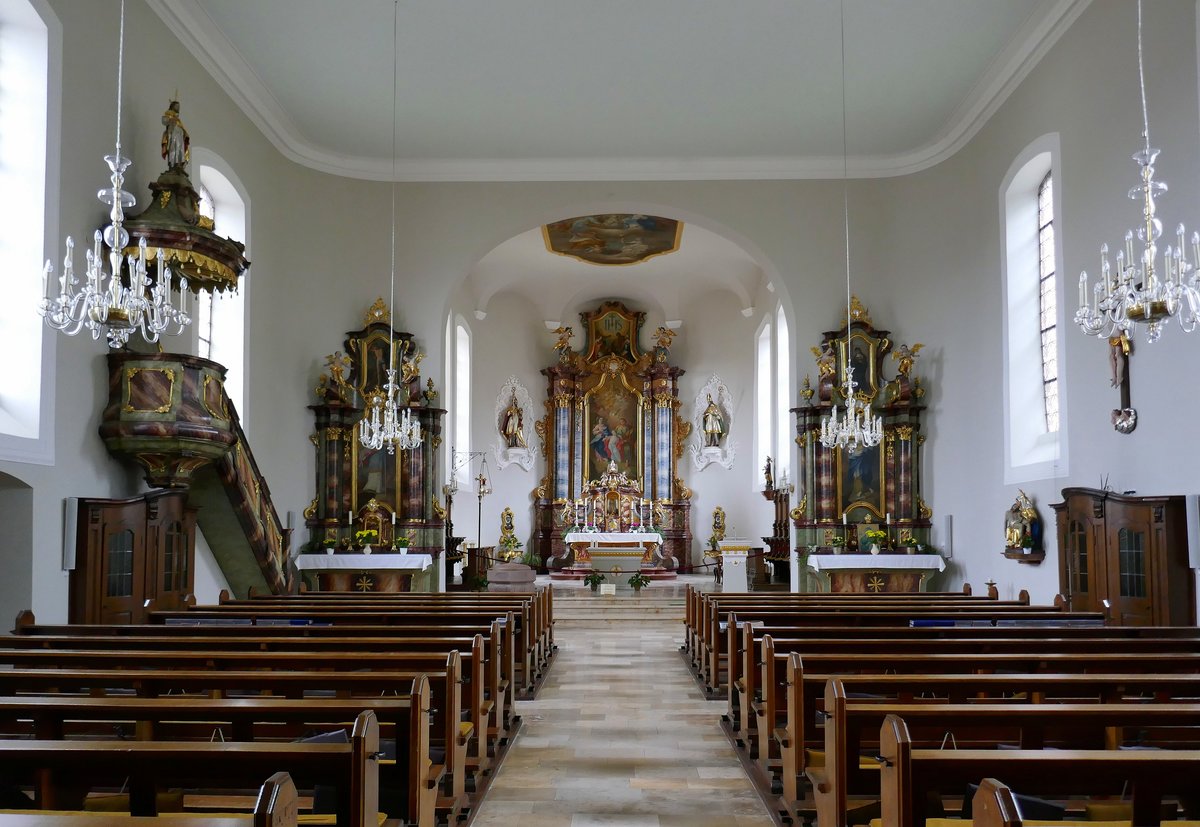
(613, 420)
(613, 331)
(371, 354)
(613, 238)
(373, 474)
(862, 353)
(860, 480)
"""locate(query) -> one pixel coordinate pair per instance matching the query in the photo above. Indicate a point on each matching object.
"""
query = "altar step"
(582, 605)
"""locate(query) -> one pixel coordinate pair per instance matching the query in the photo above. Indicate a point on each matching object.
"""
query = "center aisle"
(620, 734)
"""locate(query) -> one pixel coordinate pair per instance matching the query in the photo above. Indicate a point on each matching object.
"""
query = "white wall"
(926, 262)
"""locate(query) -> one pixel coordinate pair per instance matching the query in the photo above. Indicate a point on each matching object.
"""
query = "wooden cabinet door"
(1131, 566)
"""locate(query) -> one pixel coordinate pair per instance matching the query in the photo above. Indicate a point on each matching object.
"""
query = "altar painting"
(613, 333)
(861, 355)
(372, 360)
(374, 474)
(613, 239)
(613, 416)
(860, 476)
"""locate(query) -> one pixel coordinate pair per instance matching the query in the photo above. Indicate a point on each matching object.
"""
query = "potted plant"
(638, 580)
(401, 541)
(477, 582)
(877, 537)
(593, 580)
(530, 558)
(364, 538)
(907, 542)
(837, 543)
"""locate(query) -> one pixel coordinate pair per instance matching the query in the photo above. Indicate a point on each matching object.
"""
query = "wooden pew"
(866, 615)
(451, 674)
(798, 731)
(404, 719)
(748, 656)
(499, 645)
(525, 650)
(909, 774)
(53, 767)
(851, 725)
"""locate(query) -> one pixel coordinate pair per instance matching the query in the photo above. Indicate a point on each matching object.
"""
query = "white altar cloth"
(363, 562)
(613, 538)
(829, 562)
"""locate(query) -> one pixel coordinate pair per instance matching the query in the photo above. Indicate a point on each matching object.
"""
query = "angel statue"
(826, 359)
(563, 345)
(905, 356)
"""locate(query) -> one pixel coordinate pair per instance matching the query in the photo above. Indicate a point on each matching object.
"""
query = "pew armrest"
(465, 731)
(436, 773)
(781, 737)
(820, 781)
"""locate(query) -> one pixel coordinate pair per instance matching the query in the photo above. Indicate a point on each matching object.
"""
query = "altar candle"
(889, 518)
(845, 519)
(393, 518)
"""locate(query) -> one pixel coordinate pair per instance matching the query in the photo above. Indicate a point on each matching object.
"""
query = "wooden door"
(1081, 534)
(121, 584)
(1131, 566)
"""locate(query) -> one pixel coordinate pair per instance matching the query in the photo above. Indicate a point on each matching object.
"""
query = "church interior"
(786, 299)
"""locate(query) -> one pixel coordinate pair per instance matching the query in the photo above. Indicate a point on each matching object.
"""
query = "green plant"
(876, 536)
(837, 541)
(638, 580)
(402, 540)
(531, 559)
(366, 536)
(593, 579)
(906, 539)
(477, 582)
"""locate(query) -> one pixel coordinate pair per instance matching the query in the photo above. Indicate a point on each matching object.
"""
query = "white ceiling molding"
(209, 45)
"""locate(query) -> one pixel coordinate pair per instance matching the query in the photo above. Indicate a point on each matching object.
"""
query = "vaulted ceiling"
(620, 89)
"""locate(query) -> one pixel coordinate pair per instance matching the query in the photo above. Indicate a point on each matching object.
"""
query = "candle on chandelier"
(1083, 291)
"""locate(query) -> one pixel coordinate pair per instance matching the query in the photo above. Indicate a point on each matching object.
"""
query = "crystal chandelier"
(387, 424)
(857, 428)
(1139, 292)
(106, 302)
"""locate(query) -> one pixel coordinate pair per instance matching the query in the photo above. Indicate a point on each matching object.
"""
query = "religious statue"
(1119, 348)
(770, 477)
(176, 145)
(905, 356)
(662, 342)
(333, 386)
(510, 424)
(1022, 527)
(563, 345)
(714, 424)
(826, 359)
(718, 524)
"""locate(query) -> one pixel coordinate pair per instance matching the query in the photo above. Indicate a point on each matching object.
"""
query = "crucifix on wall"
(1124, 418)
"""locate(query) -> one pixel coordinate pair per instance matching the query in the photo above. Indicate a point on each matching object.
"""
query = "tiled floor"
(620, 735)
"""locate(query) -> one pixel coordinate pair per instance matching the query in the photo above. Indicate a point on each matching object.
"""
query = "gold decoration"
(436, 441)
(410, 368)
(563, 345)
(802, 438)
(430, 394)
(718, 524)
(205, 223)
(663, 399)
(310, 513)
(925, 511)
(314, 439)
(196, 267)
(905, 432)
(365, 583)
(164, 198)
(683, 429)
(210, 379)
(918, 391)
(807, 390)
(875, 583)
(377, 312)
(858, 313)
(562, 400)
(921, 439)
(682, 492)
(662, 341)
(890, 445)
(336, 432)
(439, 510)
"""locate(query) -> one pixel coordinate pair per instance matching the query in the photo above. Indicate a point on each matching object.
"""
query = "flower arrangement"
(876, 536)
(402, 540)
(837, 541)
(366, 536)
(906, 539)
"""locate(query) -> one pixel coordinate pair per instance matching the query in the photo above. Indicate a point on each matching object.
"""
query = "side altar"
(612, 437)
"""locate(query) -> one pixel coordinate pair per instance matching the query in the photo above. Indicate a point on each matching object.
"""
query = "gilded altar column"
(664, 413)
(562, 445)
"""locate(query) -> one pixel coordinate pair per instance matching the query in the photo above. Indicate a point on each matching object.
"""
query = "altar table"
(873, 572)
(628, 550)
(367, 572)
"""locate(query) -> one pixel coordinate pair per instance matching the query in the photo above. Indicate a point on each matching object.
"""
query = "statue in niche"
(176, 145)
(714, 425)
(510, 425)
(769, 476)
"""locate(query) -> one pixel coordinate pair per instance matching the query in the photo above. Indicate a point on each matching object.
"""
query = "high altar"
(612, 434)
(846, 493)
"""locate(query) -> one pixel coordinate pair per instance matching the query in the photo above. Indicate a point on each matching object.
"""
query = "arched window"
(764, 379)
(30, 80)
(782, 387)
(1034, 411)
(462, 396)
(220, 319)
